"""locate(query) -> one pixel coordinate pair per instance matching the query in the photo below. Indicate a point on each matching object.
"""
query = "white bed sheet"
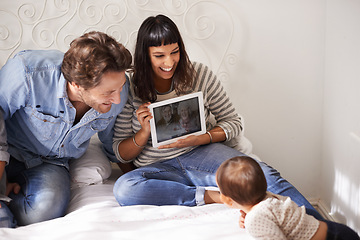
(94, 214)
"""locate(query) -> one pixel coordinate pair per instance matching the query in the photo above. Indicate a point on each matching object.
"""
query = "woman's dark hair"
(92, 55)
(154, 32)
(242, 179)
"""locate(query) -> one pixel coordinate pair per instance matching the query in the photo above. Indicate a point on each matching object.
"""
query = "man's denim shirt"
(39, 116)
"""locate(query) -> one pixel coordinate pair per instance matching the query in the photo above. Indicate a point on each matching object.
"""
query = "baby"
(265, 215)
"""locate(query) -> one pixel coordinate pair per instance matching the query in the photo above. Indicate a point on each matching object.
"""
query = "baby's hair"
(242, 179)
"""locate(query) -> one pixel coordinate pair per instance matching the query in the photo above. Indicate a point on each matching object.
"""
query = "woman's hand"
(181, 143)
(131, 147)
(143, 115)
(217, 135)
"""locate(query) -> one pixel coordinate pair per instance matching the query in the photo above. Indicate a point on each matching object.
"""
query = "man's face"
(106, 93)
(167, 114)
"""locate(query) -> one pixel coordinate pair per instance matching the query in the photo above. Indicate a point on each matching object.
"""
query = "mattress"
(94, 213)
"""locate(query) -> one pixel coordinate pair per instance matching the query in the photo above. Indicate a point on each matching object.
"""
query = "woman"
(178, 173)
(189, 122)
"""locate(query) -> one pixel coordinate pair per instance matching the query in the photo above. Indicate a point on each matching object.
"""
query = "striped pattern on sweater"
(219, 111)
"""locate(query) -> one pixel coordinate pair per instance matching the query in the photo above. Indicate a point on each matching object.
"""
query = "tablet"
(177, 118)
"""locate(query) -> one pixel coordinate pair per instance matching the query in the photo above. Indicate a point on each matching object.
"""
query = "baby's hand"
(242, 219)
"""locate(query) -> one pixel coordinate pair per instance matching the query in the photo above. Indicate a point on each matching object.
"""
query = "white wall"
(340, 186)
(279, 90)
(299, 90)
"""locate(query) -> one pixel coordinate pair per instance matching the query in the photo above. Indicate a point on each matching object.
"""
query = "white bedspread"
(94, 214)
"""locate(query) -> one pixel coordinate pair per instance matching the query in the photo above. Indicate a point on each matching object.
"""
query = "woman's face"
(185, 113)
(164, 60)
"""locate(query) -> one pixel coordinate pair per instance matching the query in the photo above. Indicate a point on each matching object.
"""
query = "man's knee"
(39, 206)
(44, 194)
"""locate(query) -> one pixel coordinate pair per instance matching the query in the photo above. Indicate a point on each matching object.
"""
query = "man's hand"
(12, 187)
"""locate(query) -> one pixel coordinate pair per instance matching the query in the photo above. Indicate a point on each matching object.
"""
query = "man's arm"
(4, 159)
(4, 155)
(2, 169)
(13, 94)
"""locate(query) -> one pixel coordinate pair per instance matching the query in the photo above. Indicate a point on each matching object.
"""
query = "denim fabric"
(278, 185)
(44, 194)
(182, 180)
(39, 121)
(7, 219)
(338, 231)
(39, 116)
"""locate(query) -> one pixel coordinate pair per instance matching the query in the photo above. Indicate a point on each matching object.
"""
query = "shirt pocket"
(100, 124)
(91, 128)
(43, 126)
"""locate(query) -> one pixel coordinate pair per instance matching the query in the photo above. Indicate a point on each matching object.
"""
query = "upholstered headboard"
(208, 27)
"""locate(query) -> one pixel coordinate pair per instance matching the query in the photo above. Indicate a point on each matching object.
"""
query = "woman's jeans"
(182, 180)
(44, 193)
(338, 231)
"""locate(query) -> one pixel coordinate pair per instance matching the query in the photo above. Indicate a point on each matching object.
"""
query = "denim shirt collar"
(62, 93)
(62, 90)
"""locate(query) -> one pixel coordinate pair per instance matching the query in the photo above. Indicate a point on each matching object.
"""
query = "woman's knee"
(123, 187)
(129, 188)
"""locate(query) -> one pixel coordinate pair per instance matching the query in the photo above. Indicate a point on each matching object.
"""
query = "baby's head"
(241, 180)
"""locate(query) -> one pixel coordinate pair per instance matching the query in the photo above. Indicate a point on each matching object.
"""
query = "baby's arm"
(263, 226)
(321, 232)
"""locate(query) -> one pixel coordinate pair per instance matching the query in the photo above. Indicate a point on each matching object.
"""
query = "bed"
(93, 212)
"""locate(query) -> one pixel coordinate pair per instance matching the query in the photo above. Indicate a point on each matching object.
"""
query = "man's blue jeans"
(7, 219)
(182, 180)
(44, 193)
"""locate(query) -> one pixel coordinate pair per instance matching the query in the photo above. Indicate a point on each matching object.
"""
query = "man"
(50, 105)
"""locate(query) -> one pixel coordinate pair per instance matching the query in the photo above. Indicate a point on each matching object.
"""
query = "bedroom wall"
(300, 95)
(279, 88)
(340, 186)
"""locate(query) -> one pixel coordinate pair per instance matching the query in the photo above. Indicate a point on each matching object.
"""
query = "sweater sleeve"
(262, 225)
(216, 102)
(123, 127)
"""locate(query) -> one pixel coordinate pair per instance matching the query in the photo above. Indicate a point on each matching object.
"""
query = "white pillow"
(91, 168)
